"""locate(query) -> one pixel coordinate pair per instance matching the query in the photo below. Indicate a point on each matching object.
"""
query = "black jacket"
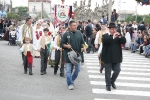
(88, 31)
(138, 40)
(112, 51)
(141, 27)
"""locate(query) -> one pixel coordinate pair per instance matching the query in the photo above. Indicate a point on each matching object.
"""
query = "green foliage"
(13, 16)
(21, 11)
(133, 18)
(140, 18)
(147, 19)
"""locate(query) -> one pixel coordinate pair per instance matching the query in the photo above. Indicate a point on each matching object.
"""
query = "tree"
(21, 11)
(13, 16)
(133, 18)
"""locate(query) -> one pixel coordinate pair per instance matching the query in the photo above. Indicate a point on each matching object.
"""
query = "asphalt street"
(133, 82)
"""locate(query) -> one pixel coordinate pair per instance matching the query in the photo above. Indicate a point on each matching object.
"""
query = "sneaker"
(71, 87)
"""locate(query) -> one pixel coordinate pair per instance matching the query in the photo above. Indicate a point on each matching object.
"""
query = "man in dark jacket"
(112, 55)
(141, 27)
(88, 32)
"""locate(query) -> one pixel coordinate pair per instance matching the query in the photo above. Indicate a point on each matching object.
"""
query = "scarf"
(24, 31)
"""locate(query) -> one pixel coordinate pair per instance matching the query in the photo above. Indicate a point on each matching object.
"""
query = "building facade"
(40, 6)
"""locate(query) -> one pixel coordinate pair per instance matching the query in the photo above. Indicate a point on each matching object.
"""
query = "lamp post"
(109, 11)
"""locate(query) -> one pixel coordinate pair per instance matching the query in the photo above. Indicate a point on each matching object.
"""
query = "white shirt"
(46, 41)
(97, 36)
(28, 48)
(27, 34)
(100, 48)
(134, 26)
(55, 43)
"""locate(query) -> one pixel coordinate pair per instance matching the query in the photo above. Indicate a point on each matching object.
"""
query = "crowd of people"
(52, 43)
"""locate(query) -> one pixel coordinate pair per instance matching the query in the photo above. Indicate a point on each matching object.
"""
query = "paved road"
(133, 82)
(15, 85)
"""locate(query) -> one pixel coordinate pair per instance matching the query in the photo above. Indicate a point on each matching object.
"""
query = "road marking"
(122, 92)
(122, 78)
(105, 99)
(138, 85)
(137, 64)
(133, 69)
(124, 73)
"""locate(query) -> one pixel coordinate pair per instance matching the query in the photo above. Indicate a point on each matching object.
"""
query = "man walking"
(112, 55)
(72, 39)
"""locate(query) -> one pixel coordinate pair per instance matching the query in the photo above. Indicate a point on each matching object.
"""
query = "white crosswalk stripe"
(133, 82)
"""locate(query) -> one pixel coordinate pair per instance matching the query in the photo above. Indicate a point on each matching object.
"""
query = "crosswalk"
(133, 82)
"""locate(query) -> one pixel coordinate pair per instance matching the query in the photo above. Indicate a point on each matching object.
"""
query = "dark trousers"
(22, 52)
(116, 70)
(141, 49)
(26, 65)
(57, 61)
(90, 44)
(44, 57)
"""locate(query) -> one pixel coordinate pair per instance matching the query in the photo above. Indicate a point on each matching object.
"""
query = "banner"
(62, 13)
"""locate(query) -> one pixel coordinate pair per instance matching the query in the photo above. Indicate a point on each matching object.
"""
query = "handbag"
(74, 57)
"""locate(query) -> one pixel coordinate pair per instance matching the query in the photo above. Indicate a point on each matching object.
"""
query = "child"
(44, 44)
(27, 50)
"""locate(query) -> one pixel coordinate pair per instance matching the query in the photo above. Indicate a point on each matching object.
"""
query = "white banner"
(62, 13)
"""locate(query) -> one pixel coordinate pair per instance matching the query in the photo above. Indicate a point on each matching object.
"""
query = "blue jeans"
(72, 76)
(133, 47)
(147, 48)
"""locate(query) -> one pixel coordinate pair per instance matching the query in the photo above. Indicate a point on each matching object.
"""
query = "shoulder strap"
(68, 37)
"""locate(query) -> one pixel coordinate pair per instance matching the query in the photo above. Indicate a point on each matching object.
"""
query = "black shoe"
(52, 66)
(62, 75)
(25, 72)
(30, 73)
(133, 52)
(55, 73)
(108, 88)
(113, 85)
(42, 73)
(101, 70)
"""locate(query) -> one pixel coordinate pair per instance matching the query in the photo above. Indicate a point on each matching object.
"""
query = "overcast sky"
(125, 4)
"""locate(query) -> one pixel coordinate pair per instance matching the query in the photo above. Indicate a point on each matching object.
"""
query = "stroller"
(12, 38)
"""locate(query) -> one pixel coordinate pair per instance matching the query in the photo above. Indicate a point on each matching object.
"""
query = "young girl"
(27, 50)
(39, 32)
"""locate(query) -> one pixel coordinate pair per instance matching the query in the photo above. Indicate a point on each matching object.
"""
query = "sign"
(62, 13)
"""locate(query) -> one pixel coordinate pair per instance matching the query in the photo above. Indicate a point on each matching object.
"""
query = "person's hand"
(21, 44)
(115, 34)
(88, 38)
(68, 46)
(96, 46)
(38, 50)
(60, 49)
(82, 64)
(83, 49)
(98, 55)
(137, 44)
(141, 45)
